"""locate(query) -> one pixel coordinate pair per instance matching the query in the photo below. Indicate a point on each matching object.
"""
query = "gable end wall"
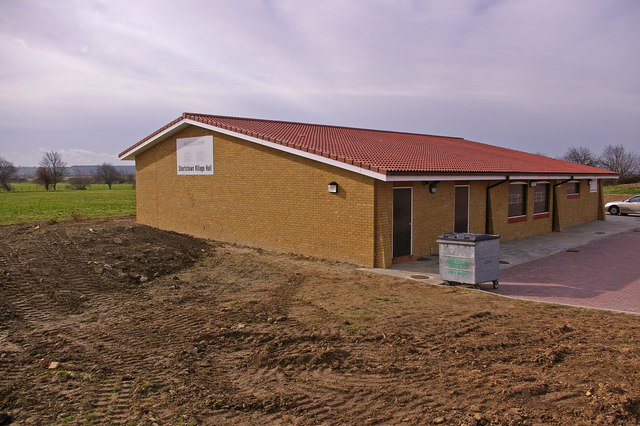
(259, 197)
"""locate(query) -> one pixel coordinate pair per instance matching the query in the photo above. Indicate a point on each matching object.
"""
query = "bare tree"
(55, 167)
(621, 161)
(107, 173)
(7, 173)
(43, 177)
(79, 181)
(581, 155)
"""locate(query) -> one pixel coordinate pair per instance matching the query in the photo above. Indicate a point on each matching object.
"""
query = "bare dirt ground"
(151, 327)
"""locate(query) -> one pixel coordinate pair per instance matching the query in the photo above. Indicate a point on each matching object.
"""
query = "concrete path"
(596, 264)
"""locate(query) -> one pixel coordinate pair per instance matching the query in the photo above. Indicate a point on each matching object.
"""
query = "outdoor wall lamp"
(333, 187)
(433, 187)
(532, 183)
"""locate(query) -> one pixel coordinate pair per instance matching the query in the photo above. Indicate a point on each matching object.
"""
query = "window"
(541, 198)
(517, 199)
(573, 188)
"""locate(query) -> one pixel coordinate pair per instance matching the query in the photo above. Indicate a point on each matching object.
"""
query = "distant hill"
(29, 172)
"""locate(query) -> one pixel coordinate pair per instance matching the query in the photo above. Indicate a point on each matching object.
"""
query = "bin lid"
(464, 236)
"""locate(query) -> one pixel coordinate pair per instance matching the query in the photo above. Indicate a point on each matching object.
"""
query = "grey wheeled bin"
(469, 258)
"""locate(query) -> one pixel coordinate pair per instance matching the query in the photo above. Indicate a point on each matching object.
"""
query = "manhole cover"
(573, 251)
(600, 233)
(420, 277)
(504, 262)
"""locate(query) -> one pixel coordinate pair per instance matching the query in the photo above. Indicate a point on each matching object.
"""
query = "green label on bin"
(458, 262)
(458, 266)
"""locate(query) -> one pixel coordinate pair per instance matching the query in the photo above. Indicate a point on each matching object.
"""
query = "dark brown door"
(461, 222)
(401, 222)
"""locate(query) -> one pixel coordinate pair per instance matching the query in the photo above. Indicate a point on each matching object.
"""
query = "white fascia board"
(432, 178)
(130, 155)
(567, 176)
(511, 177)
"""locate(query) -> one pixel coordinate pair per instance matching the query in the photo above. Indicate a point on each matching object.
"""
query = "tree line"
(613, 157)
(52, 170)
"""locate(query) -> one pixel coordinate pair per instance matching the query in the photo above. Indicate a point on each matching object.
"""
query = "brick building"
(367, 197)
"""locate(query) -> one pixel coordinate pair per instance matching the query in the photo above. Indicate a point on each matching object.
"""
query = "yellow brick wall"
(571, 211)
(478, 208)
(574, 211)
(532, 225)
(433, 215)
(383, 224)
(260, 197)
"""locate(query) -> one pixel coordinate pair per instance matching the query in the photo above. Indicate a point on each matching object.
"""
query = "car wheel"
(614, 210)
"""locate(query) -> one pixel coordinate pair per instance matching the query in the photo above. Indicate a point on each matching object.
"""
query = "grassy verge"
(26, 205)
(627, 188)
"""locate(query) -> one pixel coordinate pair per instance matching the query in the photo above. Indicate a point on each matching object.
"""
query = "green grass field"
(627, 188)
(30, 203)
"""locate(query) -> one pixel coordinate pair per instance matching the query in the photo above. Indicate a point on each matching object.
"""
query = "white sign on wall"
(195, 155)
(593, 185)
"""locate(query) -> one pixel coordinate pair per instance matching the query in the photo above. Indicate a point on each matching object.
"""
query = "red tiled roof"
(389, 152)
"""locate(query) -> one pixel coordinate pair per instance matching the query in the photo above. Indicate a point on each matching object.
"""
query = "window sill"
(516, 219)
(541, 215)
(573, 196)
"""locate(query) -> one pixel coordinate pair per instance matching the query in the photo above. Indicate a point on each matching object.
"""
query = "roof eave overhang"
(376, 173)
(493, 176)
(131, 153)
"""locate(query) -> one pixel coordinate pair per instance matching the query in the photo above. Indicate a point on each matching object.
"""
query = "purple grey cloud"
(89, 78)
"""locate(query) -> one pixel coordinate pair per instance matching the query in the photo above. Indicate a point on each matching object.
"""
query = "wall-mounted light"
(590, 182)
(433, 187)
(333, 187)
(532, 183)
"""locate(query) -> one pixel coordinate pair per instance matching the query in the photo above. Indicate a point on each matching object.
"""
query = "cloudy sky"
(90, 78)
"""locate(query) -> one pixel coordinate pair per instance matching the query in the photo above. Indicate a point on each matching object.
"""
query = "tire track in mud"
(51, 288)
(333, 379)
(322, 386)
(11, 369)
(45, 284)
(110, 402)
(21, 290)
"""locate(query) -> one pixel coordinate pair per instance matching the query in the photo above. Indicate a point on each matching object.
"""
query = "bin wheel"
(496, 284)
(446, 283)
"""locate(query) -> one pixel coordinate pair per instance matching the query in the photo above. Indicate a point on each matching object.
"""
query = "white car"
(630, 205)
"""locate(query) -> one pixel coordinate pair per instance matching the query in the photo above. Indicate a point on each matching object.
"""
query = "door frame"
(468, 204)
(410, 224)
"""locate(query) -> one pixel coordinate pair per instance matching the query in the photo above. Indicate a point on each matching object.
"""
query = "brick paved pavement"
(604, 274)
